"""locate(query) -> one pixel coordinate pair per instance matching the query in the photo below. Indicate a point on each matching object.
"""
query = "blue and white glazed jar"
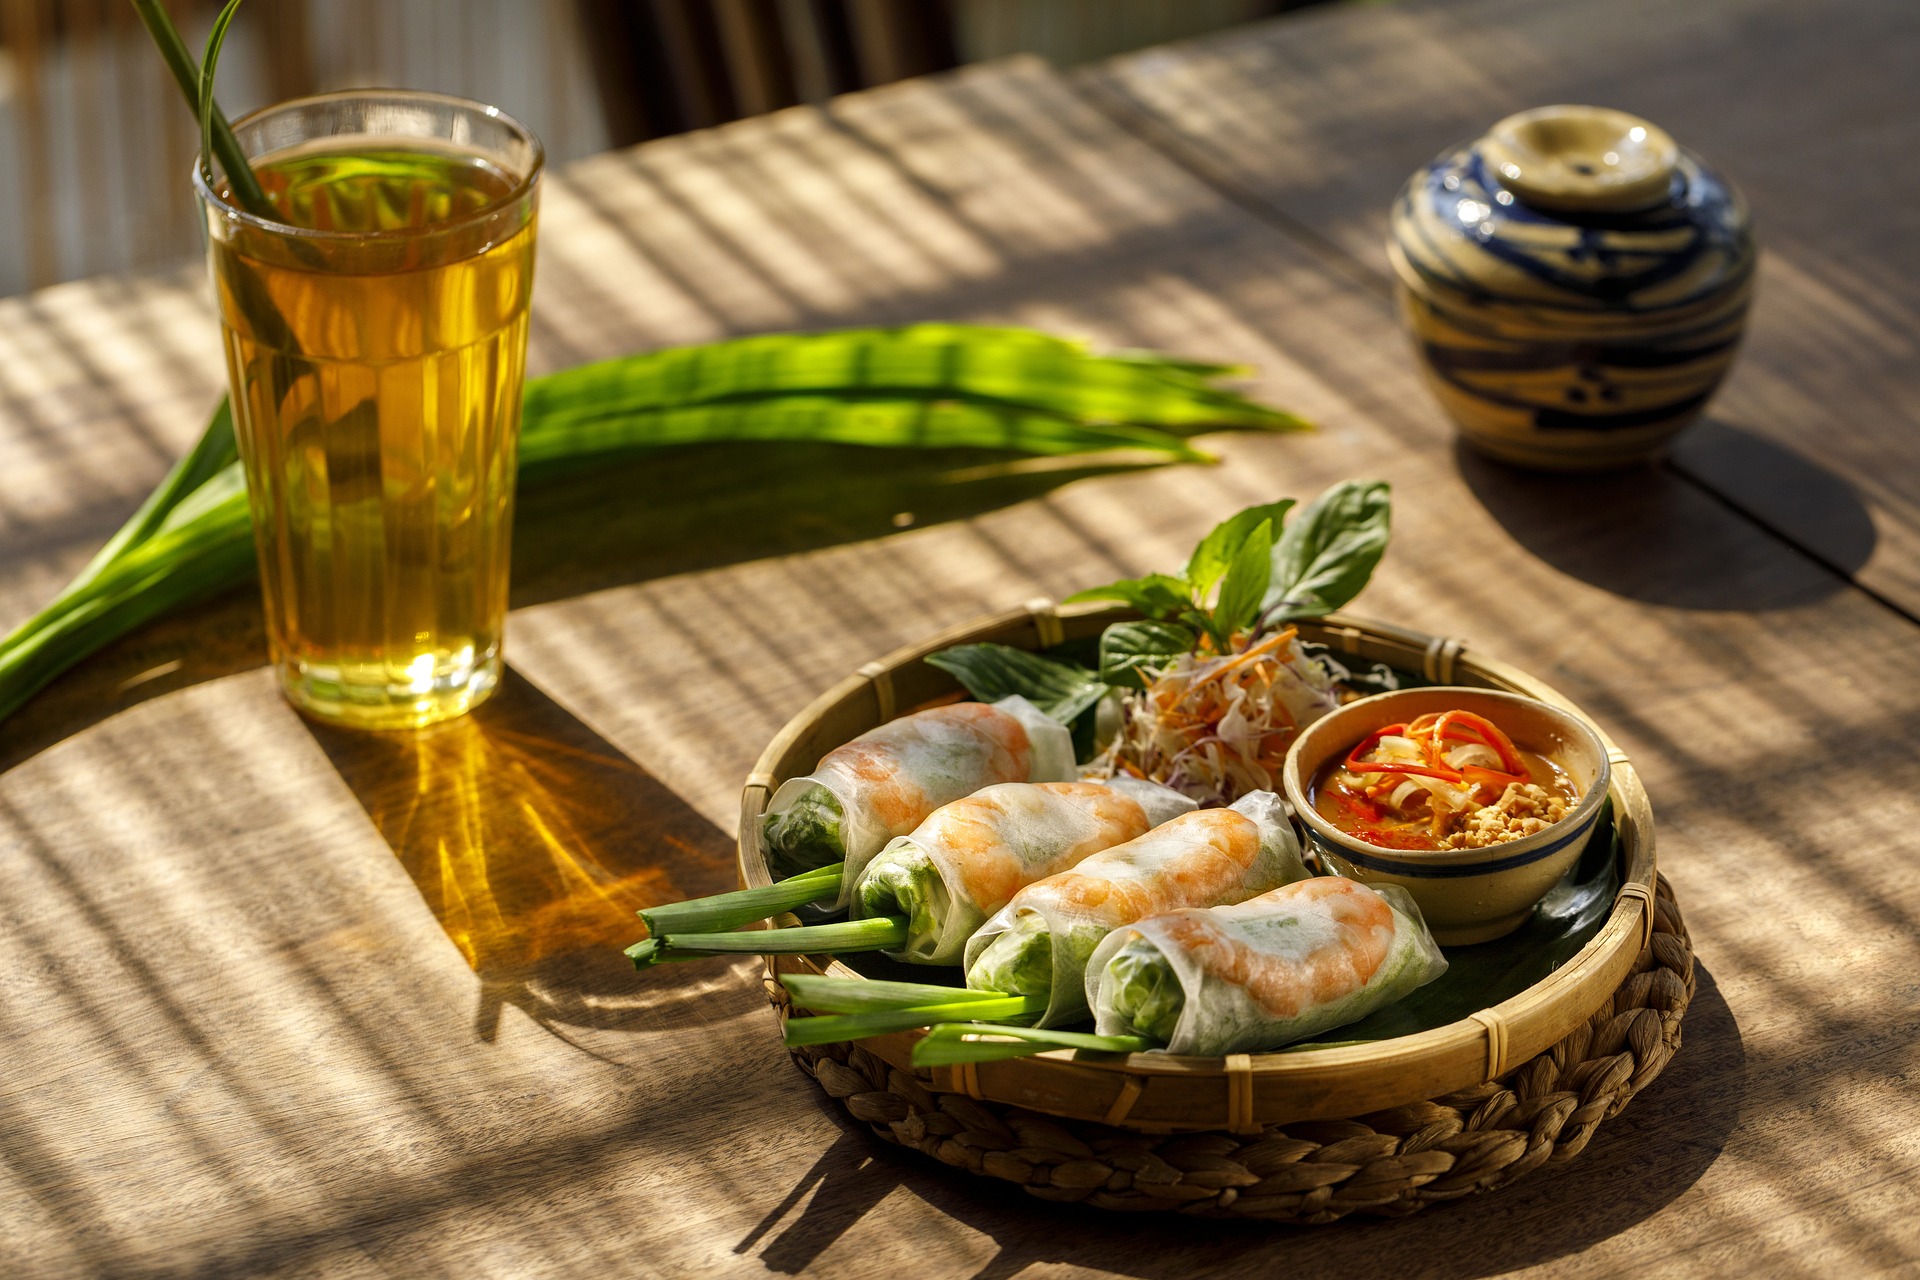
(1575, 283)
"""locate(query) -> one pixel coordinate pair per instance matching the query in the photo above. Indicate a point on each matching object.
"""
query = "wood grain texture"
(1318, 120)
(240, 1040)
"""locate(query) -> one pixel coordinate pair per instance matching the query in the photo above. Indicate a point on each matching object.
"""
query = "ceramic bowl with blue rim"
(1466, 895)
(1575, 283)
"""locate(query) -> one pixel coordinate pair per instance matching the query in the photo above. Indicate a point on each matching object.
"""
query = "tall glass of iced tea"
(376, 336)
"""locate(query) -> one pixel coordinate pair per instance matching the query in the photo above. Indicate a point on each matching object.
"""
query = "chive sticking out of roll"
(928, 890)
(1040, 943)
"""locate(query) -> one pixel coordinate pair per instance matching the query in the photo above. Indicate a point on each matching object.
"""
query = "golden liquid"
(377, 404)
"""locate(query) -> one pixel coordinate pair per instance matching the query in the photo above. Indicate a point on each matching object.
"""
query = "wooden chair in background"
(95, 144)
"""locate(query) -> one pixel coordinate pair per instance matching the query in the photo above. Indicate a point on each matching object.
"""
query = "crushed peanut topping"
(1521, 810)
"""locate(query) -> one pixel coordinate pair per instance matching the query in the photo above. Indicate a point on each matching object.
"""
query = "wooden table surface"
(276, 999)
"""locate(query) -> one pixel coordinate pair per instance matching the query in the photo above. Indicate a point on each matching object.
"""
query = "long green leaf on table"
(175, 568)
(1036, 371)
(919, 386)
(852, 418)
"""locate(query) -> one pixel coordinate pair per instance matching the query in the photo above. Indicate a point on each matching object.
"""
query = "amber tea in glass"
(376, 341)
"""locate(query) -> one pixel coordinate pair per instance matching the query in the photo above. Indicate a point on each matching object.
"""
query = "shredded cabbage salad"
(1217, 726)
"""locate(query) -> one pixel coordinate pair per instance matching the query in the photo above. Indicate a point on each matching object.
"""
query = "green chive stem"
(822, 994)
(855, 1026)
(878, 933)
(721, 911)
(948, 1044)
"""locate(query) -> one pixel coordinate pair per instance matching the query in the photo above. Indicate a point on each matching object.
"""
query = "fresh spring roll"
(1286, 965)
(888, 781)
(1163, 804)
(1040, 942)
(968, 860)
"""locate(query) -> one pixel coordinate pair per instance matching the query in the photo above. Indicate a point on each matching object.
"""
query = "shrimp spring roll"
(968, 860)
(1040, 942)
(886, 782)
(1163, 804)
(1286, 965)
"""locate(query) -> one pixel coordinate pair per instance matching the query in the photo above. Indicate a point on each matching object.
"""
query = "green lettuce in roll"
(970, 857)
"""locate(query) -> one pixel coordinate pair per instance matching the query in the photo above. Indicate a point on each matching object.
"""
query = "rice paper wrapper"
(886, 782)
(1052, 758)
(1289, 964)
(1048, 933)
(969, 858)
(1162, 804)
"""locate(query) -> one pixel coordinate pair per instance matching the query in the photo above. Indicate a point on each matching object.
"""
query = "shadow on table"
(621, 521)
(1636, 1164)
(534, 840)
(1644, 532)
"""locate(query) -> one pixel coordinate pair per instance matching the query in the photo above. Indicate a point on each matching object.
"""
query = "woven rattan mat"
(1388, 1163)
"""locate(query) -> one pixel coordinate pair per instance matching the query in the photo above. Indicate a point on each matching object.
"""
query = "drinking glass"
(376, 343)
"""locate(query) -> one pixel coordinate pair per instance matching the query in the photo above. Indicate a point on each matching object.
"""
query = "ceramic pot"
(1576, 285)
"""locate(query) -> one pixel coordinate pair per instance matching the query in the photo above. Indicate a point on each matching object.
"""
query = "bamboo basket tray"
(1308, 1136)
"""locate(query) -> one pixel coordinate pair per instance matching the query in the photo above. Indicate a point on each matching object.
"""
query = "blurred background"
(95, 142)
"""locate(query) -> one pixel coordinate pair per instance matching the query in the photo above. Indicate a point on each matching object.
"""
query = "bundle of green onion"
(926, 386)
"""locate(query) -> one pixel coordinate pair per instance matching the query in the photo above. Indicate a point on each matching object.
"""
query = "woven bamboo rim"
(1388, 1163)
(1564, 1020)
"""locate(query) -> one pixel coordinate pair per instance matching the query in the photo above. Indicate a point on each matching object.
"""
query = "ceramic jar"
(1575, 283)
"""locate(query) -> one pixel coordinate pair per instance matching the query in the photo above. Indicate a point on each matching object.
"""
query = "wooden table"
(279, 999)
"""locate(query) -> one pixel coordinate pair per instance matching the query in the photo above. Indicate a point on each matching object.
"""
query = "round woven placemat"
(1388, 1163)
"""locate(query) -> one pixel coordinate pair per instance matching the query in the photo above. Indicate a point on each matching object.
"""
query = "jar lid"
(1581, 158)
(1571, 215)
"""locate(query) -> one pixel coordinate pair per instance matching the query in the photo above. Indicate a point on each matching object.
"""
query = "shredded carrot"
(1240, 660)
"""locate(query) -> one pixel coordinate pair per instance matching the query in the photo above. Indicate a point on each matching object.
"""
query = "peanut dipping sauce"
(1491, 790)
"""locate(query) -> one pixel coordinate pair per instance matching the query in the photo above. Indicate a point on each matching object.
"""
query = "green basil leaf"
(1245, 583)
(1326, 556)
(995, 671)
(1157, 595)
(1128, 648)
(1216, 551)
